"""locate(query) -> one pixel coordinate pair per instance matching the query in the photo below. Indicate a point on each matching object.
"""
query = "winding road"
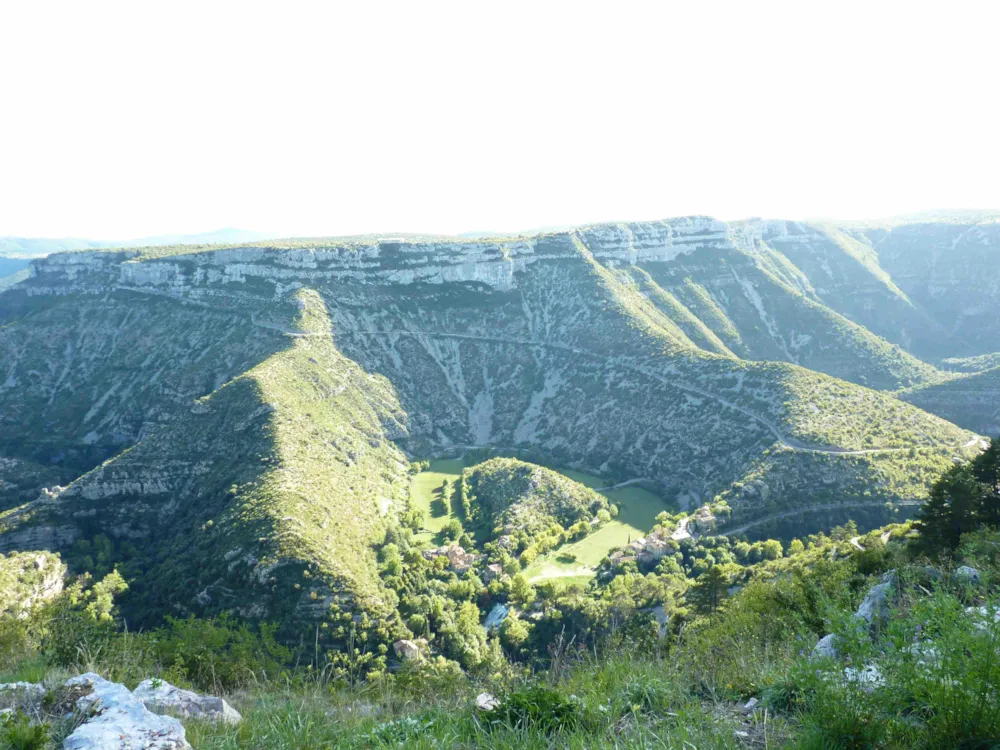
(802, 511)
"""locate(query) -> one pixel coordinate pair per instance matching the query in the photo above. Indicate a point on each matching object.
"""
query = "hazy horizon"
(485, 233)
(133, 121)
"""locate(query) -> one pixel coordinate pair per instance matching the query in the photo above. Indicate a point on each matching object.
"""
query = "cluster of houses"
(646, 550)
(461, 561)
(458, 559)
(703, 521)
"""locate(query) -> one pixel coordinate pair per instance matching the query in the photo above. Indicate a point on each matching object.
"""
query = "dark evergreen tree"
(952, 509)
(986, 470)
(709, 590)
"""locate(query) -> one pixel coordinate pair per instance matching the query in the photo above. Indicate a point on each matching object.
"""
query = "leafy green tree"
(514, 632)
(986, 470)
(772, 549)
(392, 560)
(463, 638)
(452, 530)
(521, 591)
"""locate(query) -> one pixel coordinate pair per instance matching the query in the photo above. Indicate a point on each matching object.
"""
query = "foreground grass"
(620, 704)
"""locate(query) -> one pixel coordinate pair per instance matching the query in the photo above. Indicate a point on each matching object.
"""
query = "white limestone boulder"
(486, 702)
(826, 648)
(163, 698)
(117, 720)
(874, 610)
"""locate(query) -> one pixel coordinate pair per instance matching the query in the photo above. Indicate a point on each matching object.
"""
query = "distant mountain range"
(28, 247)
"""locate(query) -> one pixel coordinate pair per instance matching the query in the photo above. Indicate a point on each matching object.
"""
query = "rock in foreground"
(163, 698)
(120, 721)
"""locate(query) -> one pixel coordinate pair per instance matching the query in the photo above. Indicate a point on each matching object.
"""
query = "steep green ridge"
(265, 496)
(757, 308)
(83, 377)
(264, 400)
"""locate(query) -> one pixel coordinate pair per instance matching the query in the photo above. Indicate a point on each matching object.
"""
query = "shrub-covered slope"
(972, 400)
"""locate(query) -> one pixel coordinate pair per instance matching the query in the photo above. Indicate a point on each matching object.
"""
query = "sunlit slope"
(754, 303)
(239, 420)
(265, 496)
(575, 361)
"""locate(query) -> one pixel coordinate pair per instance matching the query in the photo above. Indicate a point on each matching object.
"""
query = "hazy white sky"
(127, 119)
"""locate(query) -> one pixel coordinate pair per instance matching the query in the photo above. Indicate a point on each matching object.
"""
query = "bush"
(218, 653)
(452, 530)
(542, 709)
(79, 625)
(18, 733)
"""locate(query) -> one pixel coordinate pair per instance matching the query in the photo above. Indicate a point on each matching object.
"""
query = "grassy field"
(425, 493)
(637, 511)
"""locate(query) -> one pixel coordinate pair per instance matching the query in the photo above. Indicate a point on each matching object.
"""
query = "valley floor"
(572, 562)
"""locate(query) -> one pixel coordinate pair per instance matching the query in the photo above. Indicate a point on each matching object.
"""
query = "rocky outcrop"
(827, 647)
(163, 698)
(117, 719)
(874, 609)
(872, 613)
(28, 579)
(39, 537)
(406, 650)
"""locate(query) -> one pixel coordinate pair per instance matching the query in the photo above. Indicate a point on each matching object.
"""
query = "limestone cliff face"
(384, 262)
(953, 272)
